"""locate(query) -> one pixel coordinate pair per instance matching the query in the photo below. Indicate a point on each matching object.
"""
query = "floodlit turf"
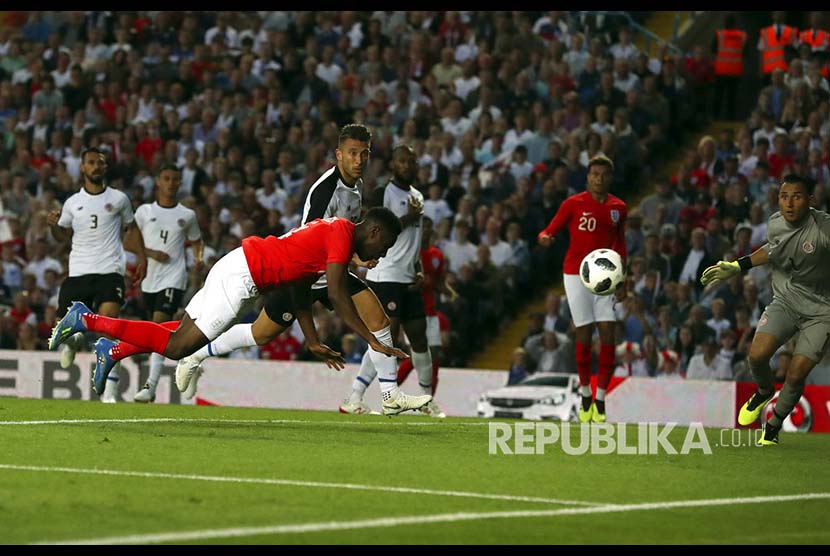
(236, 475)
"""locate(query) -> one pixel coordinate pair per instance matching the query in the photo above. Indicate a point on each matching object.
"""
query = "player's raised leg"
(810, 348)
(776, 325)
(762, 349)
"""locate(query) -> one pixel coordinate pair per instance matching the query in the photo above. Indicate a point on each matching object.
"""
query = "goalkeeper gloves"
(723, 270)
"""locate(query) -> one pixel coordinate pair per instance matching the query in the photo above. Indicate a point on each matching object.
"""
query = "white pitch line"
(287, 482)
(387, 422)
(436, 518)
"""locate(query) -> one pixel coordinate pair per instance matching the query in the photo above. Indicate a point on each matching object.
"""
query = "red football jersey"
(300, 252)
(592, 225)
(432, 259)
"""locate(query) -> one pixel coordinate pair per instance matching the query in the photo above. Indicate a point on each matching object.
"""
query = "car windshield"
(547, 381)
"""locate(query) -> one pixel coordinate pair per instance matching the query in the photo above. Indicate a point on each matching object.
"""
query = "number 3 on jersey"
(587, 223)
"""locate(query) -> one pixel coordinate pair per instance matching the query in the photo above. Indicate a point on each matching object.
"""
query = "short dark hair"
(601, 161)
(94, 150)
(386, 218)
(402, 147)
(806, 182)
(169, 166)
(358, 132)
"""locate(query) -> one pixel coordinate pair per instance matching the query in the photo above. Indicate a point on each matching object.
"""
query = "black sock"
(586, 402)
(600, 406)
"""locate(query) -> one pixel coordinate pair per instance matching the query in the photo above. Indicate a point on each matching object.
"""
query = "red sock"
(434, 376)
(122, 350)
(143, 334)
(606, 365)
(583, 363)
(404, 369)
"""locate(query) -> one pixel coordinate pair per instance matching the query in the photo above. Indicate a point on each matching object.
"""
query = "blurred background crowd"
(503, 109)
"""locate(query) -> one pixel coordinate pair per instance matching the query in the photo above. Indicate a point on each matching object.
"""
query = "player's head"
(376, 233)
(352, 151)
(794, 197)
(600, 174)
(404, 165)
(169, 180)
(93, 165)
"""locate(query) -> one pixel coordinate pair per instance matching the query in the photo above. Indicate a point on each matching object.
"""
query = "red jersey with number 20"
(591, 225)
(300, 252)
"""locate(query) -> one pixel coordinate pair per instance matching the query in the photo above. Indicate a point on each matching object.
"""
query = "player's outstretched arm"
(344, 307)
(723, 270)
(301, 297)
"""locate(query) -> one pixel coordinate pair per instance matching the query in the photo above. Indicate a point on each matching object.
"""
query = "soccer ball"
(602, 271)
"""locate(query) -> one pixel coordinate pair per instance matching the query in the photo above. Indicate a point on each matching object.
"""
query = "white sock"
(363, 379)
(385, 365)
(423, 364)
(239, 336)
(156, 364)
(585, 391)
(111, 387)
(601, 394)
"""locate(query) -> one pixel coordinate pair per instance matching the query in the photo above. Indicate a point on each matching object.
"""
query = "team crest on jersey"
(615, 216)
(808, 246)
(435, 262)
(181, 222)
(392, 306)
(108, 207)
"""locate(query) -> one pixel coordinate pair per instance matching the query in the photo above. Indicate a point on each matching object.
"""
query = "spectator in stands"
(708, 364)
(518, 367)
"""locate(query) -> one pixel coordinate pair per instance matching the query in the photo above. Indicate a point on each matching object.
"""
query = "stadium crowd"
(503, 109)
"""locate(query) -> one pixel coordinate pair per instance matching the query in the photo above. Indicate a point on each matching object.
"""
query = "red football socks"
(145, 335)
(583, 363)
(122, 350)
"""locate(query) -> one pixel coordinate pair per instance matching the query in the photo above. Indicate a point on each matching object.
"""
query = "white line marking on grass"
(437, 518)
(287, 482)
(387, 422)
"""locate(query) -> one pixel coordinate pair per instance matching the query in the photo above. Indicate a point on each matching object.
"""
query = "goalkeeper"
(798, 248)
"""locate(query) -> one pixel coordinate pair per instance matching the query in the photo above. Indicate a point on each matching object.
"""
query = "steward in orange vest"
(729, 60)
(774, 39)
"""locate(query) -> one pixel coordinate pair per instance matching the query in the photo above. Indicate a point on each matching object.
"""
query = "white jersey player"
(166, 226)
(398, 276)
(94, 218)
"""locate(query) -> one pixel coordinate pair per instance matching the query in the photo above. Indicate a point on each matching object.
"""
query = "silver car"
(542, 396)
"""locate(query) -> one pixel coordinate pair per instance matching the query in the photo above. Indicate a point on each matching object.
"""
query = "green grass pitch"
(216, 475)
